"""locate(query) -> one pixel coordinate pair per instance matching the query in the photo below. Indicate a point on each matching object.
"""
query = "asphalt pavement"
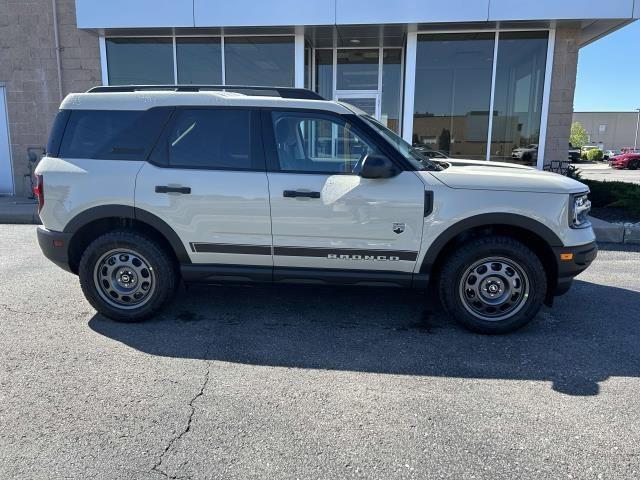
(266, 382)
(602, 171)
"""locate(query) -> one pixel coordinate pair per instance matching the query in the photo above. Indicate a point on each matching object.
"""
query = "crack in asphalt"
(156, 468)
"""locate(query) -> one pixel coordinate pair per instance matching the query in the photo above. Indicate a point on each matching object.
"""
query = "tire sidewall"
(158, 260)
(514, 251)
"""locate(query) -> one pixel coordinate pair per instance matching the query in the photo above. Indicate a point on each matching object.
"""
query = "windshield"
(413, 156)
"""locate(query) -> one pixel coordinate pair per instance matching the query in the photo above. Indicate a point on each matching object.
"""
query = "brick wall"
(563, 84)
(28, 68)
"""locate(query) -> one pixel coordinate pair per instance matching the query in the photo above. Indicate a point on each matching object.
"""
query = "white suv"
(146, 187)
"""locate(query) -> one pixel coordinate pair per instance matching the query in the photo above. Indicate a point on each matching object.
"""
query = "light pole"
(635, 143)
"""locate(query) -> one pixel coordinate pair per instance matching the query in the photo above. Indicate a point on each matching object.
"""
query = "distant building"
(614, 130)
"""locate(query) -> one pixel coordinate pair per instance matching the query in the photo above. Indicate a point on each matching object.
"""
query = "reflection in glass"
(520, 74)
(324, 73)
(261, 61)
(366, 104)
(309, 143)
(140, 61)
(453, 93)
(199, 61)
(391, 86)
(357, 69)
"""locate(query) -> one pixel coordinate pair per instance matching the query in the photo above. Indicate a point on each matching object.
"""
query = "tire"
(126, 276)
(633, 164)
(493, 285)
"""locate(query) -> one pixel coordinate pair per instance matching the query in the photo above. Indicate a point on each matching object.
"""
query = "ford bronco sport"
(146, 187)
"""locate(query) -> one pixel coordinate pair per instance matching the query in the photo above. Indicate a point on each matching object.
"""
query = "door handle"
(168, 189)
(296, 193)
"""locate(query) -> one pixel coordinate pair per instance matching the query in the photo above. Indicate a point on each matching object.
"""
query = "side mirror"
(377, 166)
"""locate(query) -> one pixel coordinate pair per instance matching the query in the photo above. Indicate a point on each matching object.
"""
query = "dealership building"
(473, 78)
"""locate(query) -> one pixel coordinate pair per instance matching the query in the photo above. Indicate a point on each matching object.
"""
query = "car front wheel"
(493, 284)
(126, 276)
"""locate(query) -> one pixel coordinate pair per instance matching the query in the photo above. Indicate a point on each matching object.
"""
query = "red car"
(626, 160)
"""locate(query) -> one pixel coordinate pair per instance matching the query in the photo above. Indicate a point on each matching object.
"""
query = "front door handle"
(168, 189)
(296, 193)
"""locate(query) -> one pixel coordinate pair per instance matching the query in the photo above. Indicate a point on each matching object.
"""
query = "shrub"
(595, 155)
(615, 194)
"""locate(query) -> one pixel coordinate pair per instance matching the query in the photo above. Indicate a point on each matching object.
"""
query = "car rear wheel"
(493, 284)
(634, 164)
(127, 276)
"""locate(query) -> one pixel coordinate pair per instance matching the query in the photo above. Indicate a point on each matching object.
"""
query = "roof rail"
(283, 92)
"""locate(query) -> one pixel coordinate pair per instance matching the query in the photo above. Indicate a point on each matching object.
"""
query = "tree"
(579, 135)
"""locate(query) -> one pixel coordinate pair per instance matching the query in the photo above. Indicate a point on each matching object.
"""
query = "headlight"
(579, 208)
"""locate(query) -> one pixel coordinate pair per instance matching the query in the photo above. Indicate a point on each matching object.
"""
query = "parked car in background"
(628, 150)
(584, 149)
(574, 153)
(610, 154)
(430, 153)
(525, 153)
(626, 160)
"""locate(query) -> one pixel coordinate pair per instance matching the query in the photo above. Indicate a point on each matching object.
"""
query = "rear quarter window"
(112, 134)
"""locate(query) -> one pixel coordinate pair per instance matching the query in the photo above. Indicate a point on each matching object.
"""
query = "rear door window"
(112, 134)
(210, 138)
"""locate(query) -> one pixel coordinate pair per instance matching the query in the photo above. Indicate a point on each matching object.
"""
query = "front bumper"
(55, 246)
(572, 261)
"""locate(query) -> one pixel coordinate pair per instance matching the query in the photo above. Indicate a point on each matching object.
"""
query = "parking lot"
(602, 171)
(265, 382)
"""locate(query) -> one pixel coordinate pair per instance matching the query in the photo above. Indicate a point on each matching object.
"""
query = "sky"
(609, 73)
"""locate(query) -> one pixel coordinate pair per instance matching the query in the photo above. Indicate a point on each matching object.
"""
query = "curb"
(19, 212)
(615, 232)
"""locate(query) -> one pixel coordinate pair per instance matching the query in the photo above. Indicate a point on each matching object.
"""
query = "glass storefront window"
(324, 73)
(307, 65)
(199, 60)
(357, 69)
(520, 72)
(267, 61)
(391, 88)
(140, 61)
(453, 93)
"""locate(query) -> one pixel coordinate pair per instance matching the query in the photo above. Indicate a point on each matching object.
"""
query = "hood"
(463, 162)
(508, 177)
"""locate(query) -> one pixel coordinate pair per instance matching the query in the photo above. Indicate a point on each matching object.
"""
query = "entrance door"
(6, 173)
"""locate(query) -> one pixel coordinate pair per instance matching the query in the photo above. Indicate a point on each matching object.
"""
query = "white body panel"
(453, 205)
(352, 213)
(224, 208)
(75, 185)
(479, 177)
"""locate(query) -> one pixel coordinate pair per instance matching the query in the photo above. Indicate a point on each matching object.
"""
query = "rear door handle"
(168, 189)
(296, 193)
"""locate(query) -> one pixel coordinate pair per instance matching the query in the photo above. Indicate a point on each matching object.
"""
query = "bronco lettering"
(378, 258)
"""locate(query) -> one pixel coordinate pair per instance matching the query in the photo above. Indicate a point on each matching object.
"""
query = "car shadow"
(591, 334)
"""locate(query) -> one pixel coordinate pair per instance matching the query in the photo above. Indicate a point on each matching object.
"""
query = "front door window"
(317, 144)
